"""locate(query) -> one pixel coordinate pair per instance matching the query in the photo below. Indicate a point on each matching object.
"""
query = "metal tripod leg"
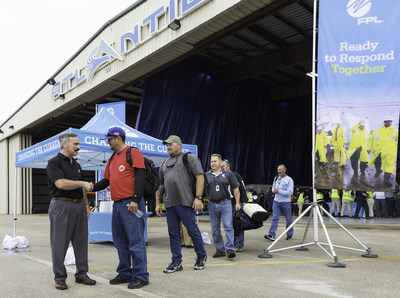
(267, 250)
(302, 248)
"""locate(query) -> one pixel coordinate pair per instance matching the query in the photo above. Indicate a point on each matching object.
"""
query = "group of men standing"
(382, 142)
(182, 183)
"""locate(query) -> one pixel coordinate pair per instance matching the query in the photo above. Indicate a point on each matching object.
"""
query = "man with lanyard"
(239, 240)
(126, 185)
(220, 185)
(180, 201)
(68, 211)
(283, 189)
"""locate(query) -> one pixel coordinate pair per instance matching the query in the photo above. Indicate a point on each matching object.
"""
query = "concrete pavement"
(290, 273)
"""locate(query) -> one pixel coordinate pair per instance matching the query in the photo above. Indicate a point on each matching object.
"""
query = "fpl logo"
(358, 9)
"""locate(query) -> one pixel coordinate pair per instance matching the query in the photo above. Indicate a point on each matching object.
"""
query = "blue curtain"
(235, 120)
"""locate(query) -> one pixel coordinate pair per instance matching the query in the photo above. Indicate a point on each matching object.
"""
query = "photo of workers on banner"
(356, 148)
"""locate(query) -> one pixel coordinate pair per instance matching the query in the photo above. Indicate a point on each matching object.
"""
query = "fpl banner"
(358, 94)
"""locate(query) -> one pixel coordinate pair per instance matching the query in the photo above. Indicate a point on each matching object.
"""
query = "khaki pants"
(185, 238)
(336, 202)
(300, 205)
(348, 204)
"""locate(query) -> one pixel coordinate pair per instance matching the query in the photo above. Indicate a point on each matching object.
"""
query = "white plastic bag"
(17, 242)
(206, 238)
(69, 257)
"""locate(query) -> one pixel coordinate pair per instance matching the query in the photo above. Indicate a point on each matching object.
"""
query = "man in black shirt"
(221, 183)
(68, 211)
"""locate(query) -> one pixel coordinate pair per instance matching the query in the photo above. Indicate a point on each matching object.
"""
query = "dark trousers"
(175, 215)
(68, 223)
(354, 162)
(390, 206)
(362, 202)
(128, 237)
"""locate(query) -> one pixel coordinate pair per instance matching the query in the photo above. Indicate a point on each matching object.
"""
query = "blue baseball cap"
(114, 131)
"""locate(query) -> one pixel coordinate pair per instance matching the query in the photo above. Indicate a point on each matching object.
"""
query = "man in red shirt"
(126, 184)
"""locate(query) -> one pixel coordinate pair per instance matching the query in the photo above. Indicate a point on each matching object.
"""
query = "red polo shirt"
(121, 176)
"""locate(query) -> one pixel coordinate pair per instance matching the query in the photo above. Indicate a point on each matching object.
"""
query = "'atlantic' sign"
(104, 53)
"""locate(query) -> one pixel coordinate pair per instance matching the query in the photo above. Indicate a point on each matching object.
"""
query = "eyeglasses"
(171, 162)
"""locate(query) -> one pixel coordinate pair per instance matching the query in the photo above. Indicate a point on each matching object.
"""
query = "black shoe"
(219, 254)
(119, 279)
(231, 253)
(269, 237)
(137, 283)
(200, 262)
(189, 246)
(173, 267)
(289, 237)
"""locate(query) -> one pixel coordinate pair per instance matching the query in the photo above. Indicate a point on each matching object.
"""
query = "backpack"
(186, 164)
(152, 181)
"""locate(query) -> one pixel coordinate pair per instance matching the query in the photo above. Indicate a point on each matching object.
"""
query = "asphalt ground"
(289, 273)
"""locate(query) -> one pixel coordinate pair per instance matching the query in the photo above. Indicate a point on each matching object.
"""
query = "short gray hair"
(65, 138)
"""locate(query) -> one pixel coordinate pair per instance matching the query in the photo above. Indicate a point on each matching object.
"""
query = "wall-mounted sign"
(104, 53)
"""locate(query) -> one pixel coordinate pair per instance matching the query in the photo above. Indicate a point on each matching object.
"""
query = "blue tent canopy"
(94, 152)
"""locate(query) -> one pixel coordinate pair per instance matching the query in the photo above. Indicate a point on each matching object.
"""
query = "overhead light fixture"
(310, 74)
(174, 25)
(62, 96)
(51, 81)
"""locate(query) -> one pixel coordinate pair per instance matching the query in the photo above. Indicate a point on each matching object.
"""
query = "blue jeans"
(175, 215)
(277, 209)
(218, 212)
(239, 240)
(397, 206)
(128, 237)
(382, 203)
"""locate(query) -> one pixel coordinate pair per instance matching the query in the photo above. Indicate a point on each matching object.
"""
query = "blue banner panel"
(118, 109)
(358, 94)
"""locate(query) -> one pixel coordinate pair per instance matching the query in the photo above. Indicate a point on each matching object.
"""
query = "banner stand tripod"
(314, 208)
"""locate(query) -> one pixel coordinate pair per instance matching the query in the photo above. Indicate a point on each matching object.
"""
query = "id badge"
(217, 187)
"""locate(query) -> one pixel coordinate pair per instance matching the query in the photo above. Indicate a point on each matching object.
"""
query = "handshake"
(88, 186)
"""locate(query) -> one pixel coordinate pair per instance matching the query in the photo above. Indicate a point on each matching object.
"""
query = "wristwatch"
(199, 197)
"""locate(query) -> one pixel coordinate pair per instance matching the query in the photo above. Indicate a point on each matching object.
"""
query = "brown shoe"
(86, 280)
(61, 285)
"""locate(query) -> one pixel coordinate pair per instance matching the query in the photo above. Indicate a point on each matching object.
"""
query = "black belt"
(68, 199)
(219, 201)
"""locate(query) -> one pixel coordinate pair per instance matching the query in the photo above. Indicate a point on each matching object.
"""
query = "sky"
(38, 37)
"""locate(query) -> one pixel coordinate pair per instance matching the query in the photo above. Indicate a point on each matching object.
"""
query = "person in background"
(283, 190)
(239, 240)
(336, 201)
(370, 202)
(347, 200)
(380, 201)
(361, 199)
(221, 183)
(300, 202)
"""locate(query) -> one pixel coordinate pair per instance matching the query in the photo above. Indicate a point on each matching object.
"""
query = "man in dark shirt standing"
(180, 202)
(126, 185)
(239, 240)
(68, 211)
(221, 183)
